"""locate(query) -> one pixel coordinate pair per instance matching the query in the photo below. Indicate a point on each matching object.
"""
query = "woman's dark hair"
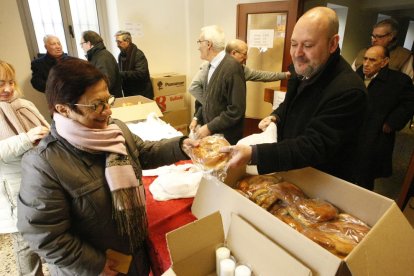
(68, 81)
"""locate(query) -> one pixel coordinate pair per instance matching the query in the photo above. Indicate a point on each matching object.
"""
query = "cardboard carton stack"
(170, 93)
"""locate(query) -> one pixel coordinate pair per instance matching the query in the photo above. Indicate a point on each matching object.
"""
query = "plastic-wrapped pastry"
(316, 210)
(208, 154)
(336, 243)
(353, 231)
(284, 216)
(288, 192)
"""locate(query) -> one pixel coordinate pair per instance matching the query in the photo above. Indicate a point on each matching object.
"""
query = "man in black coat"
(133, 66)
(390, 107)
(319, 121)
(101, 58)
(41, 66)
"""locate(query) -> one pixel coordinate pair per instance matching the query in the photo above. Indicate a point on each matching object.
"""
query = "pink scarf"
(19, 117)
(128, 198)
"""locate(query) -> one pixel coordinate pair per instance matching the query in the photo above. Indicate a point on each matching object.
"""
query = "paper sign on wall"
(261, 38)
(136, 29)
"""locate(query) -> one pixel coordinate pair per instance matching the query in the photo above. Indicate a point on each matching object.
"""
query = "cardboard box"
(171, 102)
(386, 250)
(177, 118)
(192, 249)
(168, 83)
(134, 108)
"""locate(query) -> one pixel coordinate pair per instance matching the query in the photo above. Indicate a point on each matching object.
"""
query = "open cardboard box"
(386, 250)
(134, 108)
(192, 249)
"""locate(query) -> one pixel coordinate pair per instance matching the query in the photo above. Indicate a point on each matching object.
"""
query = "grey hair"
(126, 36)
(215, 35)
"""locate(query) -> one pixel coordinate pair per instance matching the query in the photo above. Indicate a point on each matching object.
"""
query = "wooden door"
(267, 28)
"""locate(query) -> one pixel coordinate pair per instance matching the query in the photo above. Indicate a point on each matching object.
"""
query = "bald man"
(41, 66)
(390, 107)
(319, 121)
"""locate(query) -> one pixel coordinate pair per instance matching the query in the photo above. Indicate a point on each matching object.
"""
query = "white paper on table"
(267, 136)
(176, 184)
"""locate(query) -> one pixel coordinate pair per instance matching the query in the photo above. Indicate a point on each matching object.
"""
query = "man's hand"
(203, 132)
(386, 128)
(241, 155)
(193, 124)
(265, 122)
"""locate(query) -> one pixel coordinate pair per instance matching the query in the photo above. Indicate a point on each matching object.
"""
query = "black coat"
(318, 122)
(133, 66)
(390, 101)
(106, 63)
(40, 70)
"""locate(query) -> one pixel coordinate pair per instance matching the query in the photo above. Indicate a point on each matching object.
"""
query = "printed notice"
(261, 38)
(136, 29)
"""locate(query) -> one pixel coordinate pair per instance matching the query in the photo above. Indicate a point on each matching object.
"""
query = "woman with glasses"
(82, 197)
(21, 127)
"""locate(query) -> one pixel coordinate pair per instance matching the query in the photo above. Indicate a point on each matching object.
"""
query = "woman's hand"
(188, 144)
(108, 268)
(37, 133)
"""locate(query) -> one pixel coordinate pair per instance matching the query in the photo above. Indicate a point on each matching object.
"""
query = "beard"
(309, 70)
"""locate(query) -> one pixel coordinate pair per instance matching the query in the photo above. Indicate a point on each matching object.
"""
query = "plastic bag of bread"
(208, 156)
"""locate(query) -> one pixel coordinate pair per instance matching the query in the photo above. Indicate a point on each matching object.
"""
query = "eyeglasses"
(374, 36)
(99, 107)
(200, 41)
(243, 54)
(4, 82)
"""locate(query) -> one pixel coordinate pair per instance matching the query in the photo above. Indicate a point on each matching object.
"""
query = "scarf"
(128, 197)
(19, 117)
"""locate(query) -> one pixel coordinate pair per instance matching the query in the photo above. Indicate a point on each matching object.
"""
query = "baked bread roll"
(208, 154)
(353, 231)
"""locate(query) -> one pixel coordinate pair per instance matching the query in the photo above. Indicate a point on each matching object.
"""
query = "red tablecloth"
(163, 217)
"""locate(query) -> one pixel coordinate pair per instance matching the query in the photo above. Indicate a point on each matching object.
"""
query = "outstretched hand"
(240, 155)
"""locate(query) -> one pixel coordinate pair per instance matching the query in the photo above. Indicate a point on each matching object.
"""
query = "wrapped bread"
(316, 210)
(208, 154)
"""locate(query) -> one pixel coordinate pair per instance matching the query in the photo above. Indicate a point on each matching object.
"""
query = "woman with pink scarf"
(82, 202)
(21, 127)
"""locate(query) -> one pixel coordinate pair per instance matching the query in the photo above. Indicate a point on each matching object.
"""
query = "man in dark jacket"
(225, 89)
(102, 59)
(133, 67)
(319, 121)
(41, 66)
(390, 107)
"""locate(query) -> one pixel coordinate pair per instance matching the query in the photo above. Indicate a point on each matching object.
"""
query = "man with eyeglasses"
(237, 49)
(41, 66)
(224, 91)
(384, 34)
(133, 66)
(97, 54)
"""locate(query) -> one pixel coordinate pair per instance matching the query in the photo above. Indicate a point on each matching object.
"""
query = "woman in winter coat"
(21, 127)
(82, 196)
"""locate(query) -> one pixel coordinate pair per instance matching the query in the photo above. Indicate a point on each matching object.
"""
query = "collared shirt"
(367, 80)
(214, 63)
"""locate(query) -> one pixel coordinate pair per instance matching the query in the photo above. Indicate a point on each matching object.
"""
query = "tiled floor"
(389, 187)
